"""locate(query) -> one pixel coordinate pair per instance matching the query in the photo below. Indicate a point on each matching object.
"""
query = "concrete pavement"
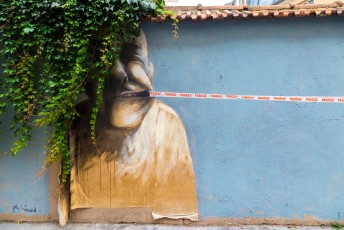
(75, 226)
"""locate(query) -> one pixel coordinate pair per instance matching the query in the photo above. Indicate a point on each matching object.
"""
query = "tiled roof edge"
(200, 13)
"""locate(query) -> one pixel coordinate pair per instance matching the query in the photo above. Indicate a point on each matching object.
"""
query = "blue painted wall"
(251, 159)
(22, 189)
(259, 159)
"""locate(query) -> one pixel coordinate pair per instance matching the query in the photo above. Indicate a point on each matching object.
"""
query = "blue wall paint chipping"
(259, 159)
(22, 190)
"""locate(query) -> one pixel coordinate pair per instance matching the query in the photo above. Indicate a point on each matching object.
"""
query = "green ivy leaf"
(54, 5)
(75, 42)
(28, 30)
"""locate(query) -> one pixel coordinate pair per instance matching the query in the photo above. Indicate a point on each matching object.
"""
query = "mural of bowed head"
(141, 157)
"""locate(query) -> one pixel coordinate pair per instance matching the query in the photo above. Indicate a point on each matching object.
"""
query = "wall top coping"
(202, 13)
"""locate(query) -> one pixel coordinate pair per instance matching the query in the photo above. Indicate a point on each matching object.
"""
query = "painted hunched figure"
(141, 157)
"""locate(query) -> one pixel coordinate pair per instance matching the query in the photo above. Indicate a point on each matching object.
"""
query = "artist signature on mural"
(24, 208)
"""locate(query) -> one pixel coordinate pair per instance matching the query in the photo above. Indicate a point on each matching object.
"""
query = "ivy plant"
(74, 41)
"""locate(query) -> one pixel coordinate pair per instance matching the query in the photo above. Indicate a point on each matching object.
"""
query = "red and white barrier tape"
(308, 99)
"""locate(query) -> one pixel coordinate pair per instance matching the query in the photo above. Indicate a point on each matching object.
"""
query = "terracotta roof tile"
(203, 16)
(243, 12)
(194, 17)
(340, 11)
(236, 14)
(217, 15)
(214, 15)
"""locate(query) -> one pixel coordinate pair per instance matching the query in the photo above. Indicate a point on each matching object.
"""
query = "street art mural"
(141, 157)
(255, 161)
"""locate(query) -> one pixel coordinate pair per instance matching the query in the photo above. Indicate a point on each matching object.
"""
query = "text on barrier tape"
(309, 99)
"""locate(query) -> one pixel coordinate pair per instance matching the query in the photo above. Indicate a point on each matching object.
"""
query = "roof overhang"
(194, 13)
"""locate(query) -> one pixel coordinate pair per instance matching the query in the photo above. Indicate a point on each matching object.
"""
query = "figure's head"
(131, 74)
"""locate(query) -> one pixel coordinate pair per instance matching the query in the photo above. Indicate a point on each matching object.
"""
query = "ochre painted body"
(149, 166)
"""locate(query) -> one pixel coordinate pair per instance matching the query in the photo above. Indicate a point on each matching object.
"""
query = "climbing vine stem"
(50, 49)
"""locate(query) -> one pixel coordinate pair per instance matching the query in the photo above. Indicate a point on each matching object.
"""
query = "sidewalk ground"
(74, 226)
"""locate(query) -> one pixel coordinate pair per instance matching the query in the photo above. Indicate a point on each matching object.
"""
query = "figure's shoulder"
(166, 108)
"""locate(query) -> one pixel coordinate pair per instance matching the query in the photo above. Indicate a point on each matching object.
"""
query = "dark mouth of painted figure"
(144, 93)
